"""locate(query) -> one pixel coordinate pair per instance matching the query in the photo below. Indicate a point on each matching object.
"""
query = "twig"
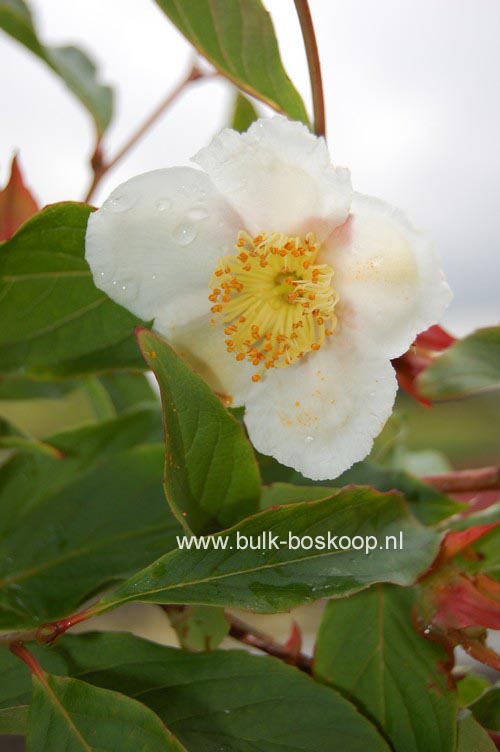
(100, 166)
(456, 481)
(247, 634)
(311, 46)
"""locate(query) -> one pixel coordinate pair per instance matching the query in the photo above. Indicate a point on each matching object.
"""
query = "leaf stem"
(311, 46)
(248, 635)
(101, 166)
(18, 649)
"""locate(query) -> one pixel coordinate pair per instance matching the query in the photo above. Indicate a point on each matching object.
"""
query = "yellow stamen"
(265, 307)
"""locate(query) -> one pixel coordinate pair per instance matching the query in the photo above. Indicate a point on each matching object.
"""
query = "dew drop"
(198, 213)
(132, 288)
(184, 234)
(308, 439)
(119, 203)
(377, 262)
(163, 204)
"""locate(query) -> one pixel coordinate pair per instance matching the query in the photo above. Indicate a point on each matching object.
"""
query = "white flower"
(285, 291)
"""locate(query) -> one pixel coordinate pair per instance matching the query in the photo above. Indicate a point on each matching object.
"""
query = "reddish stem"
(475, 649)
(247, 634)
(21, 652)
(49, 632)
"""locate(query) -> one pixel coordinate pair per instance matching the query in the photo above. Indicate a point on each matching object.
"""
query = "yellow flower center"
(274, 302)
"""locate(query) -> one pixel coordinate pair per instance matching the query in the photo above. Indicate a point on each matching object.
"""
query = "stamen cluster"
(274, 302)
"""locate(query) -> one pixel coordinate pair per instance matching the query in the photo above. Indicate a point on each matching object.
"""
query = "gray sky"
(412, 92)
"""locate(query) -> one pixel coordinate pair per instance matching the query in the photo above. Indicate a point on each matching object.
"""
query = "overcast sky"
(412, 93)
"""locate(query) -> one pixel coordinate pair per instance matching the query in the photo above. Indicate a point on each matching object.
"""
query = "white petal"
(156, 240)
(278, 176)
(321, 415)
(203, 346)
(389, 280)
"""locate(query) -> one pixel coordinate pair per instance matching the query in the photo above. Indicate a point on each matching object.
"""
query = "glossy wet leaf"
(17, 204)
(55, 322)
(368, 648)
(73, 525)
(270, 580)
(73, 66)
(72, 715)
(470, 365)
(238, 39)
(211, 476)
(227, 700)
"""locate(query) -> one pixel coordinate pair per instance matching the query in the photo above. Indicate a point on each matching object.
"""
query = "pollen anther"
(265, 307)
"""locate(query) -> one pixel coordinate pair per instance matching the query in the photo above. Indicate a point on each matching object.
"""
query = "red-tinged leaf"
(16, 203)
(435, 338)
(459, 604)
(455, 542)
(294, 642)
(419, 357)
(477, 500)
(408, 367)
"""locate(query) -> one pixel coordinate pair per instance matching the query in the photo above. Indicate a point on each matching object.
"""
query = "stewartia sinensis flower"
(287, 292)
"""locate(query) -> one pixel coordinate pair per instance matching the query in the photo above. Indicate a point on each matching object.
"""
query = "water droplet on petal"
(377, 262)
(119, 203)
(132, 288)
(198, 213)
(184, 234)
(163, 204)
(308, 439)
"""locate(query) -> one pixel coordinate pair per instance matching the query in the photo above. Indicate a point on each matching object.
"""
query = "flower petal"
(321, 414)
(156, 240)
(203, 346)
(278, 176)
(389, 280)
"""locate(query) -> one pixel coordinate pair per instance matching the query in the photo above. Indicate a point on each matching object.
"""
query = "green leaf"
(470, 688)
(55, 322)
(128, 390)
(238, 39)
(486, 709)
(427, 504)
(368, 648)
(70, 527)
(473, 738)
(488, 550)
(74, 67)
(286, 493)
(11, 437)
(227, 700)
(13, 720)
(15, 388)
(470, 365)
(211, 476)
(198, 628)
(244, 114)
(270, 579)
(72, 715)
